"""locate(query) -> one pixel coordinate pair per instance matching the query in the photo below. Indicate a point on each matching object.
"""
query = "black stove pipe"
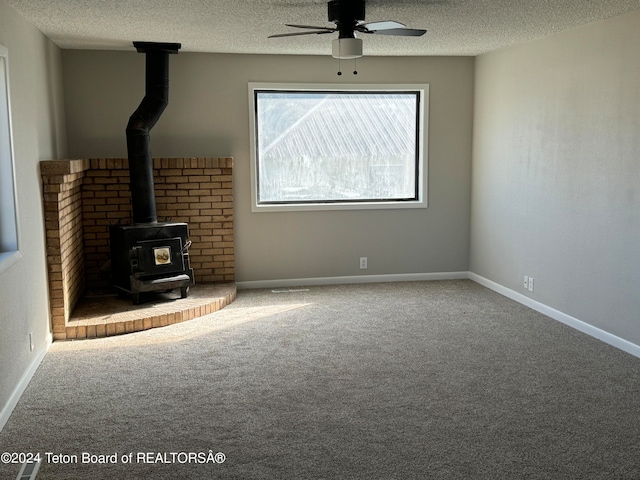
(143, 200)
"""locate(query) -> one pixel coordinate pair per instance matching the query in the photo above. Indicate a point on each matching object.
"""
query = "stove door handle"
(186, 246)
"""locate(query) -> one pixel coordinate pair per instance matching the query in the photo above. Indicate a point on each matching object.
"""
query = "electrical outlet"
(531, 284)
(363, 263)
(526, 282)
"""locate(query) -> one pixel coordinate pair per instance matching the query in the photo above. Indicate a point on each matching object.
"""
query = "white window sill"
(306, 207)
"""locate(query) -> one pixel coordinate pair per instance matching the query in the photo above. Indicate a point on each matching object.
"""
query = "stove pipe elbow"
(156, 99)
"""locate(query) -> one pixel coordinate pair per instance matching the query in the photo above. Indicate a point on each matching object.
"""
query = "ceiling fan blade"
(310, 27)
(299, 33)
(386, 25)
(401, 32)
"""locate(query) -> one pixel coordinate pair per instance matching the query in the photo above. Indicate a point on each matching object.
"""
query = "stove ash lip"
(144, 118)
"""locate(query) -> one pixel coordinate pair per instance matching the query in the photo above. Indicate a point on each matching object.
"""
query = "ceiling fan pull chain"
(339, 56)
(355, 66)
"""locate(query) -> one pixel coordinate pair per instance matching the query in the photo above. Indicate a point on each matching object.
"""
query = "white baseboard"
(401, 277)
(5, 413)
(573, 322)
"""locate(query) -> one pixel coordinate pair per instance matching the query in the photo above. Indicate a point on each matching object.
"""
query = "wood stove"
(147, 256)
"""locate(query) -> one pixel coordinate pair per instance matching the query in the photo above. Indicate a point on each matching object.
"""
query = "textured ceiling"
(454, 27)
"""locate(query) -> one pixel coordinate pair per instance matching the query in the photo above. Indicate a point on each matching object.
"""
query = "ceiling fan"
(348, 17)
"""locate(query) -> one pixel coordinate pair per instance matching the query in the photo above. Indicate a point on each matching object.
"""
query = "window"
(321, 147)
(8, 227)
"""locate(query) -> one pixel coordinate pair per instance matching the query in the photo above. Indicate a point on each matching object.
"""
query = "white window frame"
(422, 142)
(9, 237)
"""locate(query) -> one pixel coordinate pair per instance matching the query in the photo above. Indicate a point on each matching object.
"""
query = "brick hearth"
(82, 197)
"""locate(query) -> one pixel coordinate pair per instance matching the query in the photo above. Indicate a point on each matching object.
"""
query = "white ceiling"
(454, 27)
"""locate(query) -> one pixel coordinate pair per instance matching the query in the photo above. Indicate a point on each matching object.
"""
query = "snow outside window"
(332, 147)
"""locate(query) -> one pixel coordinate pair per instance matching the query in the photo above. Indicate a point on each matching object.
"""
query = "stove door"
(159, 257)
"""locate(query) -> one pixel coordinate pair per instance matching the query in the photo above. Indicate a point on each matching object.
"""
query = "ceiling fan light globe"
(346, 48)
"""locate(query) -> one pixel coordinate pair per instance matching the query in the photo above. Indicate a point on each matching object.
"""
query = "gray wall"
(556, 172)
(208, 116)
(37, 110)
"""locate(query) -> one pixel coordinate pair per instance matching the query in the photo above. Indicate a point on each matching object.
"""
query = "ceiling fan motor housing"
(346, 13)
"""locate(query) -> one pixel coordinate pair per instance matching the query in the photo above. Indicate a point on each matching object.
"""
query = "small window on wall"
(8, 224)
(328, 147)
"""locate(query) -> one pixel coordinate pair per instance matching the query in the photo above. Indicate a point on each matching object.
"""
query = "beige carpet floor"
(415, 380)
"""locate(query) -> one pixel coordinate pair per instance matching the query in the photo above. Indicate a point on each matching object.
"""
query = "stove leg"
(136, 298)
(184, 291)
